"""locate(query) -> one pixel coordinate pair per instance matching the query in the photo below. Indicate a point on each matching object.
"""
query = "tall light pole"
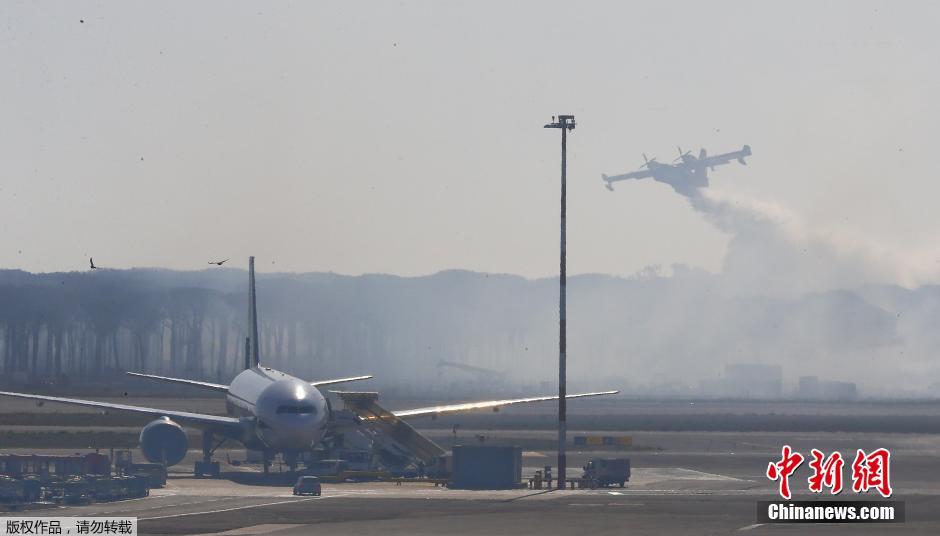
(565, 123)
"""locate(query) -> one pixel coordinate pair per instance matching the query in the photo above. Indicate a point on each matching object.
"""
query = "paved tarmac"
(691, 483)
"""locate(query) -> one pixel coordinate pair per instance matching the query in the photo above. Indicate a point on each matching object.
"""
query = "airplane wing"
(721, 159)
(320, 383)
(204, 385)
(489, 404)
(199, 420)
(398, 435)
(627, 176)
(224, 388)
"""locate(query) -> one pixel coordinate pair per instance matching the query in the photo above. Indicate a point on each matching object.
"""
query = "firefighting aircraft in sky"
(686, 173)
(273, 412)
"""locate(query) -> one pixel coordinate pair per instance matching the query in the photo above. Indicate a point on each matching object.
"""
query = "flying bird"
(91, 262)
(218, 263)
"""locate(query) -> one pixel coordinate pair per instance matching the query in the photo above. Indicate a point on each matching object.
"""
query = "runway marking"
(266, 528)
(606, 504)
(242, 507)
(116, 503)
(681, 473)
(752, 527)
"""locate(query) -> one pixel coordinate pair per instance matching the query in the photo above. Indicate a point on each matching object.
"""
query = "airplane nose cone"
(292, 415)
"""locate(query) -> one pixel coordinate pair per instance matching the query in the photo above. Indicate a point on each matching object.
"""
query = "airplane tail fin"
(702, 154)
(746, 151)
(247, 353)
(251, 344)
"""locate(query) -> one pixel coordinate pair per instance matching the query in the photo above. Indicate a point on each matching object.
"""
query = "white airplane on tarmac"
(274, 412)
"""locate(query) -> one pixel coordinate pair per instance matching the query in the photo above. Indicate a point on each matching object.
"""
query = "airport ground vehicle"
(607, 471)
(153, 471)
(19, 490)
(307, 485)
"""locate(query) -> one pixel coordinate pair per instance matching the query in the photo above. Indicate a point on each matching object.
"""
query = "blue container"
(484, 467)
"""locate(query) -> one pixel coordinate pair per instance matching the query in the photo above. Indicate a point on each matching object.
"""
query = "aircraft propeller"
(647, 161)
(682, 154)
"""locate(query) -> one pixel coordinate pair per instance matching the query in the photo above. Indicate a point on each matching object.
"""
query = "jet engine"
(163, 441)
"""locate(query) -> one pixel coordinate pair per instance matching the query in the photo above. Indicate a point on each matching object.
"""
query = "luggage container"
(486, 467)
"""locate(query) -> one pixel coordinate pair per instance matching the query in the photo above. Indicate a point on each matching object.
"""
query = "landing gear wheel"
(207, 467)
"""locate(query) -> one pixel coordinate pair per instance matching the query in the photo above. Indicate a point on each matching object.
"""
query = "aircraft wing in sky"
(610, 179)
(720, 159)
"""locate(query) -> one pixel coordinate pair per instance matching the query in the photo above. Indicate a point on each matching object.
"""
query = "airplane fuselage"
(286, 413)
(684, 179)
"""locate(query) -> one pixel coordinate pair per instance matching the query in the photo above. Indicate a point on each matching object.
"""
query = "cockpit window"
(296, 410)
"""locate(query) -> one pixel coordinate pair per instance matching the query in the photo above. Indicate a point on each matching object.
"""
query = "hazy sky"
(406, 137)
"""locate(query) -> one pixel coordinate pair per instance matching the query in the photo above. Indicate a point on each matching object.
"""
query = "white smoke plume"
(812, 300)
(773, 251)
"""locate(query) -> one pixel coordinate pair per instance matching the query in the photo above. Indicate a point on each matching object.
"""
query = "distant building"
(812, 388)
(838, 390)
(754, 380)
(747, 380)
(808, 387)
